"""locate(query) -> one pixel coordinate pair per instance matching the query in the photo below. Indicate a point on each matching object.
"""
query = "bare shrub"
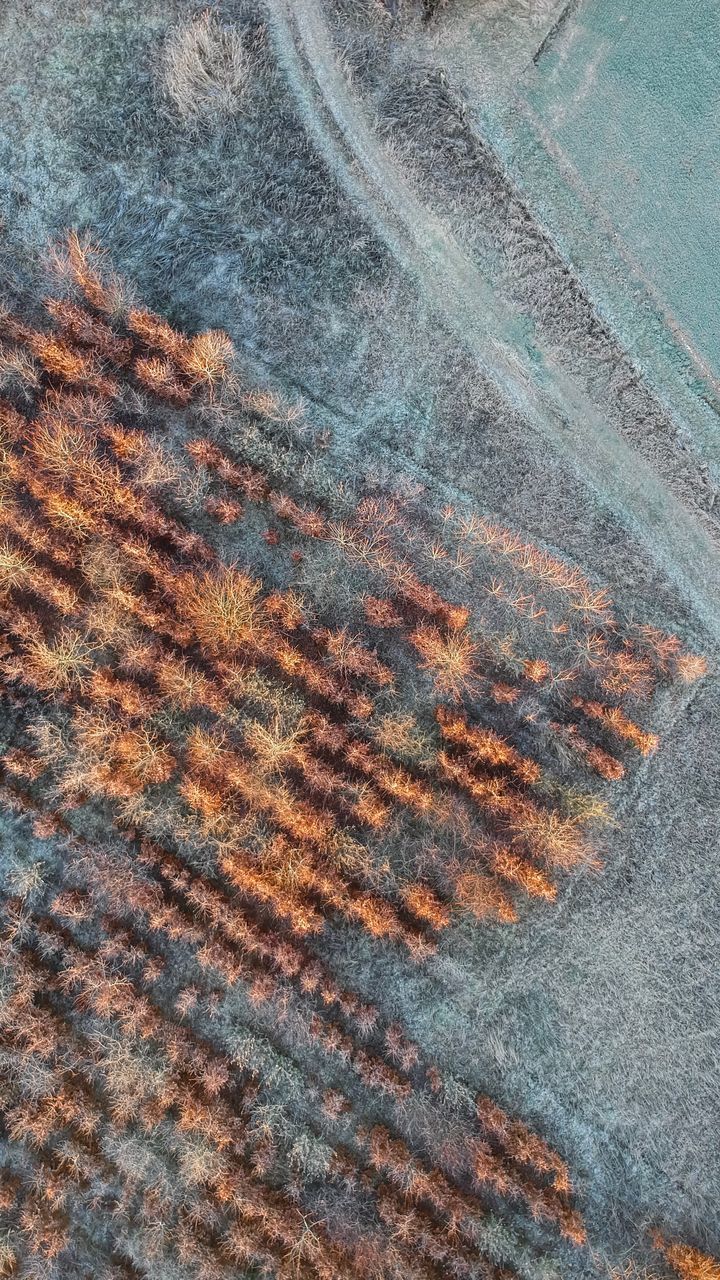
(205, 68)
(18, 369)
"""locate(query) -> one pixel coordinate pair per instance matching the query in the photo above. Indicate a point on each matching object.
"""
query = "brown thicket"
(614, 719)
(450, 657)
(600, 761)
(259, 763)
(689, 1263)
(485, 747)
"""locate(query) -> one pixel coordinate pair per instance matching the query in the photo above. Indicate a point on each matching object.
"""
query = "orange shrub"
(450, 659)
(349, 656)
(305, 519)
(482, 896)
(689, 1263)
(381, 613)
(504, 693)
(522, 1145)
(160, 377)
(224, 609)
(106, 295)
(88, 330)
(615, 720)
(605, 765)
(486, 747)
(70, 365)
(206, 358)
(156, 332)
(425, 904)
(536, 670)
(289, 905)
(521, 873)
(224, 510)
(690, 667)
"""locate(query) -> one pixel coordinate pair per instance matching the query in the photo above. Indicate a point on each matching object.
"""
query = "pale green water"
(631, 94)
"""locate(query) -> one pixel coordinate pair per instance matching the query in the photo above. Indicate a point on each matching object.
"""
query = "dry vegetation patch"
(229, 749)
(205, 69)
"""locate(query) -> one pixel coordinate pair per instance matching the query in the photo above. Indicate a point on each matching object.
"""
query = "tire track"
(451, 283)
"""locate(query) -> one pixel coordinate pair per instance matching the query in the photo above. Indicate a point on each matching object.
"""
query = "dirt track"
(453, 286)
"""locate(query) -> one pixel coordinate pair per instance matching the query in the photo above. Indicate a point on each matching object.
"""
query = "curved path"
(454, 287)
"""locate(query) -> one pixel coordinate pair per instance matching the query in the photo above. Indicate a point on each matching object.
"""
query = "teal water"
(630, 93)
